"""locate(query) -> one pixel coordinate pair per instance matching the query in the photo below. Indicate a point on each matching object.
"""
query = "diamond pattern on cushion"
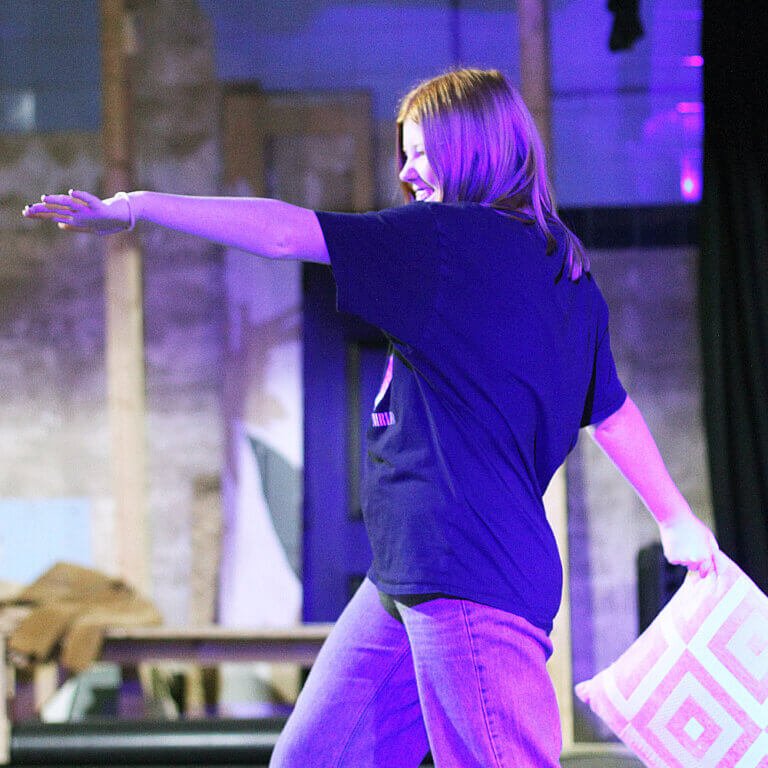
(740, 645)
(693, 728)
(692, 690)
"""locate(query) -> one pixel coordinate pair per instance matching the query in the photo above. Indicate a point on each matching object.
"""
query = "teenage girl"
(499, 353)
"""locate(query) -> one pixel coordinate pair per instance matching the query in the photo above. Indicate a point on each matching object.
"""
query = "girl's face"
(417, 172)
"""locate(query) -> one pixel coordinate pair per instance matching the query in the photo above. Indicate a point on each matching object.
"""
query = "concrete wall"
(53, 424)
(651, 295)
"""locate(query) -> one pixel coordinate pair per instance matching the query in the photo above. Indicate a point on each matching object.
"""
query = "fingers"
(45, 213)
(720, 561)
(49, 208)
(707, 566)
(76, 201)
(700, 567)
(67, 200)
(86, 197)
(72, 228)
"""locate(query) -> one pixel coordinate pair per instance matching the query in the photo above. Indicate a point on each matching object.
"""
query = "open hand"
(687, 541)
(82, 212)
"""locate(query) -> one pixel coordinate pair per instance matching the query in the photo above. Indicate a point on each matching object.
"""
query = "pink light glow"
(690, 178)
(693, 61)
(687, 107)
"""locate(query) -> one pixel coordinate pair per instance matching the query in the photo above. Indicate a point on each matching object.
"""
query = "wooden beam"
(6, 675)
(535, 87)
(124, 316)
(560, 664)
(535, 76)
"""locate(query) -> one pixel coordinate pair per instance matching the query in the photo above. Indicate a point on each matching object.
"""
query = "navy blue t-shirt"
(497, 359)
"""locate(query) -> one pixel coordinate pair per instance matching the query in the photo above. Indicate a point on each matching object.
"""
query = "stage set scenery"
(384, 384)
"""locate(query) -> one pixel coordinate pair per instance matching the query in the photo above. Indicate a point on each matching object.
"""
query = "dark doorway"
(344, 360)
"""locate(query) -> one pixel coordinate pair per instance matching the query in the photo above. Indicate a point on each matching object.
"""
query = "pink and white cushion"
(692, 690)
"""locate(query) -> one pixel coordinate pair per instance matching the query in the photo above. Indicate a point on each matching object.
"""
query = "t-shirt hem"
(410, 588)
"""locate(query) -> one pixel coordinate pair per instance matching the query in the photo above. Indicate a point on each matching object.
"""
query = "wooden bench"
(210, 646)
(199, 646)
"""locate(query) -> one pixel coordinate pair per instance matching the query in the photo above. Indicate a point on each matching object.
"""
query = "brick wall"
(53, 417)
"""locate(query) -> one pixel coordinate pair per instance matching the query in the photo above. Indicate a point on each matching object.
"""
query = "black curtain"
(733, 277)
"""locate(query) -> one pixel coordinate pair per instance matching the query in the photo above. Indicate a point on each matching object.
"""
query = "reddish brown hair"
(483, 146)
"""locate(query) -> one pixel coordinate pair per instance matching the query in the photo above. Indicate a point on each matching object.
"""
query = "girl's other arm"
(625, 438)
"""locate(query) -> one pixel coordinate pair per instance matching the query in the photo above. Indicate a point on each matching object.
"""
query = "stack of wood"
(64, 613)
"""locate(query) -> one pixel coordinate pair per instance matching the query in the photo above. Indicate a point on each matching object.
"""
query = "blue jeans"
(460, 678)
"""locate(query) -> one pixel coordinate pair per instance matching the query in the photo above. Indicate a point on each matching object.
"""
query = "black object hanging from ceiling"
(627, 26)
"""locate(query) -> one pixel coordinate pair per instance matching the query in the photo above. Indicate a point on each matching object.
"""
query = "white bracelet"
(132, 220)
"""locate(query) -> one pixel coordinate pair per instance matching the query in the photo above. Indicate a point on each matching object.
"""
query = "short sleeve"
(386, 266)
(606, 393)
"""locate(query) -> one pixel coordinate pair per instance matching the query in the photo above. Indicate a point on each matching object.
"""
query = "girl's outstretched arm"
(627, 441)
(270, 228)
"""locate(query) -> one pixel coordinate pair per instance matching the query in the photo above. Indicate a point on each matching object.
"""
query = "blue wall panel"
(49, 49)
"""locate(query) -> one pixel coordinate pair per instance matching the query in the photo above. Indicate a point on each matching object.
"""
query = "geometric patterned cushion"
(692, 690)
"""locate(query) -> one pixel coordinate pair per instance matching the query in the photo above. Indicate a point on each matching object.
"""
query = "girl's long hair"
(483, 146)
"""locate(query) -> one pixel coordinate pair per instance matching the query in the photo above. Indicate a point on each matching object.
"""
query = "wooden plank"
(208, 646)
(535, 87)
(214, 645)
(253, 116)
(598, 749)
(5, 724)
(215, 632)
(206, 538)
(560, 665)
(535, 75)
(211, 653)
(45, 681)
(127, 411)
(124, 317)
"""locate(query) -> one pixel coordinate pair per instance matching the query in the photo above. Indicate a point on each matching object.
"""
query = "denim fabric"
(458, 677)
